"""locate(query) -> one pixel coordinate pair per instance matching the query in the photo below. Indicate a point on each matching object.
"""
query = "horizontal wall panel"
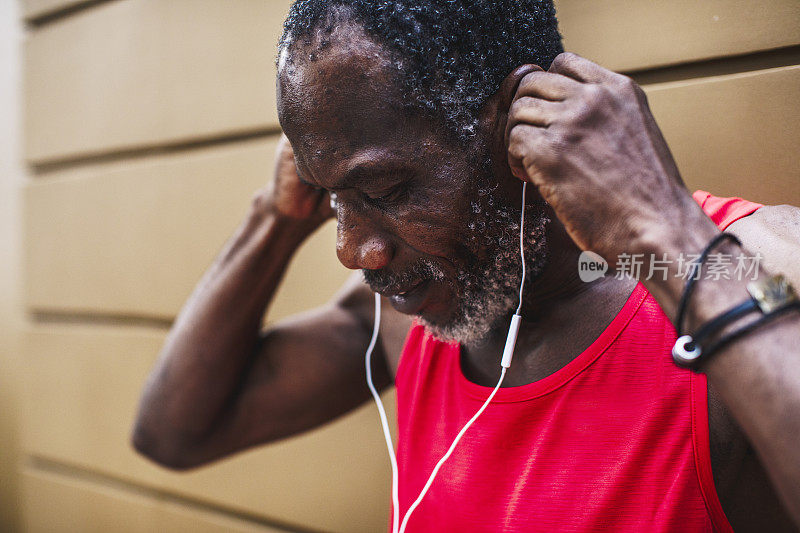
(136, 73)
(57, 503)
(636, 34)
(134, 238)
(144, 72)
(735, 135)
(82, 389)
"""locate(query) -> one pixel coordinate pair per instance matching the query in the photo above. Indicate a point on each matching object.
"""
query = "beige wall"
(722, 78)
(10, 287)
(147, 127)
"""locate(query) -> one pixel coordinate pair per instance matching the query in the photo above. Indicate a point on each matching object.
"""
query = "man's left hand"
(585, 137)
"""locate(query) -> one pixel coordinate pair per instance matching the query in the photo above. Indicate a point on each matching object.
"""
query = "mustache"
(421, 270)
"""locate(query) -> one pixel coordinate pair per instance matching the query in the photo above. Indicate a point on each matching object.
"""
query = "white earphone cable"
(384, 423)
(522, 245)
(450, 451)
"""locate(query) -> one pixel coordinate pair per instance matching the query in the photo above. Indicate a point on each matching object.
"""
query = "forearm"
(586, 138)
(216, 333)
(758, 375)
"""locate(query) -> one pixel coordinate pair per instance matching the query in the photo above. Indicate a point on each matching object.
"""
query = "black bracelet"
(772, 297)
(724, 341)
(716, 324)
(693, 272)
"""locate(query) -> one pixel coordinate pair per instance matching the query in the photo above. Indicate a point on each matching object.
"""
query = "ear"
(493, 119)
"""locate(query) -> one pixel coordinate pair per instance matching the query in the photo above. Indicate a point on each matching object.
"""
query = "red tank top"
(617, 440)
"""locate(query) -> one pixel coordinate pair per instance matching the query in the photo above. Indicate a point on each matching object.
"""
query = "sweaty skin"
(211, 395)
(561, 128)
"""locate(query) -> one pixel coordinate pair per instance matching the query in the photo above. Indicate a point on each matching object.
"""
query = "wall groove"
(781, 57)
(41, 169)
(60, 13)
(92, 318)
(60, 469)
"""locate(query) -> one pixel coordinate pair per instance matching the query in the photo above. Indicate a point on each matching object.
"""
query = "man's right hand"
(291, 198)
(222, 383)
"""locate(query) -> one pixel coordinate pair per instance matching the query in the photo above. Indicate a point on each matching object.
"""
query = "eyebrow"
(362, 173)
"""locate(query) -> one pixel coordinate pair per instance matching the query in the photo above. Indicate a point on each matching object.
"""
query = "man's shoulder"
(777, 219)
(773, 232)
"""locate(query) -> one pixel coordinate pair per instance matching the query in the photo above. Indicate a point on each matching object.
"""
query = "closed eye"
(393, 195)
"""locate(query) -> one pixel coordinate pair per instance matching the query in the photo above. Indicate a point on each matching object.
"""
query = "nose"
(360, 244)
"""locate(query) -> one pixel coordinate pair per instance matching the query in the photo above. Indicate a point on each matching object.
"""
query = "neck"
(561, 315)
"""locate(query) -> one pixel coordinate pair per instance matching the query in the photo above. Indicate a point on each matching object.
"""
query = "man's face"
(419, 214)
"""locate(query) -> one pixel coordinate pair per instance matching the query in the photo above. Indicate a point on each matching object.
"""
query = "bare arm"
(587, 140)
(758, 376)
(220, 383)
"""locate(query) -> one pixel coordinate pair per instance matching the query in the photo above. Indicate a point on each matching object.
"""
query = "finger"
(534, 111)
(529, 152)
(547, 85)
(579, 68)
(531, 111)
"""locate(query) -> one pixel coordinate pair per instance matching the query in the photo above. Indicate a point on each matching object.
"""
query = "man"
(421, 119)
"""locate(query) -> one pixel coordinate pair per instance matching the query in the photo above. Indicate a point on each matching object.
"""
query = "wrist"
(721, 282)
(686, 230)
(264, 211)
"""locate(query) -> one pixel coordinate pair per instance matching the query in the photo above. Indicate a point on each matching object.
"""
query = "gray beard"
(487, 290)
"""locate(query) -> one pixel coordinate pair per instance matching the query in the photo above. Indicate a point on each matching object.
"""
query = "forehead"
(339, 96)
